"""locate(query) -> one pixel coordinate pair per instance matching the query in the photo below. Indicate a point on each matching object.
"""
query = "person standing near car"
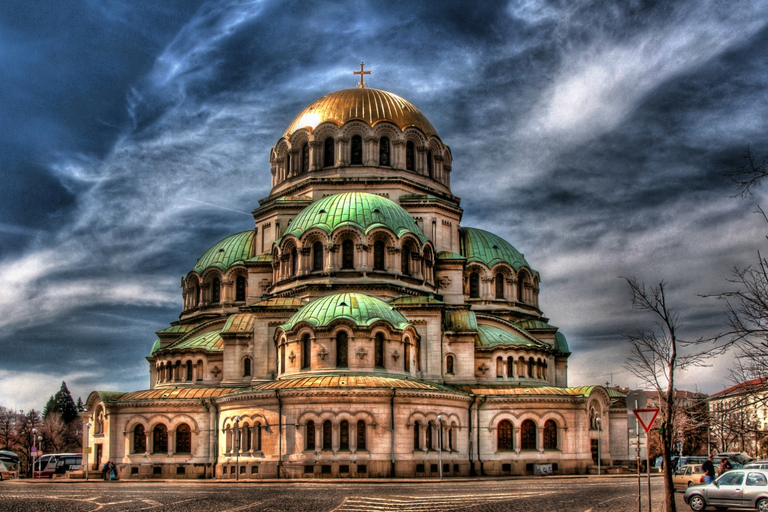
(709, 470)
(725, 465)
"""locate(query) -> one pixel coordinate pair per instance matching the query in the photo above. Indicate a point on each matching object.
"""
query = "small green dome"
(362, 310)
(489, 336)
(228, 252)
(561, 343)
(489, 249)
(359, 209)
(155, 347)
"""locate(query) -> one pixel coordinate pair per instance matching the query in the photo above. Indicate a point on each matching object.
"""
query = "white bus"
(9, 465)
(57, 464)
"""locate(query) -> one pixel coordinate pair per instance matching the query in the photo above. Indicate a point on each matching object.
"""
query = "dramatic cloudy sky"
(592, 135)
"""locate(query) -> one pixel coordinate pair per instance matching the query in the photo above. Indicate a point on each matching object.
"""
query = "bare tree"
(656, 356)
(748, 175)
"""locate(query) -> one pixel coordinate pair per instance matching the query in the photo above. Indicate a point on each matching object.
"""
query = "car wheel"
(762, 505)
(697, 503)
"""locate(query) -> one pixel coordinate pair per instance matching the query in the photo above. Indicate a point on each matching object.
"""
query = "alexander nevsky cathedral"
(359, 329)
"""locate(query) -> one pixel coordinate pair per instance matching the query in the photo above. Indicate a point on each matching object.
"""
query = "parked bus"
(57, 464)
(9, 465)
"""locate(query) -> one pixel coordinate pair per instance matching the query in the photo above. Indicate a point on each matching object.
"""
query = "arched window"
(429, 436)
(196, 292)
(531, 374)
(99, 426)
(405, 260)
(384, 151)
(294, 261)
(544, 370)
(327, 435)
(449, 364)
(417, 353)
(361, 436)
(183, 439)
(511, 367)
(521, 367)
(356, 150)
(550, 435)
(347, 254)
(416, 435)
(378, 350)
(328, 158)
(344, 435)
(451, 439)
(240, 287)
(520, 286)
(474, 285)
(215, 290)
(199, 366)
(378, 255)
(505, 436)
(341, 349)
(257, 436)
(304, 157)
(188, 366)
(246, 433)
(139, 439)
(306, 352)
(407, 358)
(409, 156)
(310, 435)
(288, 162)
(317, 256)
(159, 439)
(429, 163)
(499, 286)
(528, 435)
(282, 358)
(247, 367)
(499, 368)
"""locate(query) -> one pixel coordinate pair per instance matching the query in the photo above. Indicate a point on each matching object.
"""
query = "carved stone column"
(371, 151)
(304, 266)
(398, 154)
(518, 440)
(363, 250)
(314, 155)
(540, 439)
(342, 151)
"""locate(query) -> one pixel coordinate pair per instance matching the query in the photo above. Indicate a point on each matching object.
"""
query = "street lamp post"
(237, 448)
(440, 443)
(40, 444)
(34, 450)
(598, 421)
(87, 448)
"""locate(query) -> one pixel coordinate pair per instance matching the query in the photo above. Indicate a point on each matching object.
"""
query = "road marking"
(427, 503)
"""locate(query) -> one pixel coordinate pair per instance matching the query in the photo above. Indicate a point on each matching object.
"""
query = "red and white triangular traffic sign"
(646, 417)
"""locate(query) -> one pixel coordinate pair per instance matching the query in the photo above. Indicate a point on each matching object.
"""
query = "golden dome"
(369, 105)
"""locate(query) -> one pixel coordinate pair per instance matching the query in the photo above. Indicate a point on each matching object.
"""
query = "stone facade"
(357, 330)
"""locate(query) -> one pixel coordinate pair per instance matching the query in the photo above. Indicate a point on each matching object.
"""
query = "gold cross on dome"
(362, 72)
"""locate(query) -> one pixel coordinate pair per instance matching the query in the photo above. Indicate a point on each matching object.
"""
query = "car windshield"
(731, 478)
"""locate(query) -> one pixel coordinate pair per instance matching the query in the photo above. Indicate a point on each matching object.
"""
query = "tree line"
(59, 425)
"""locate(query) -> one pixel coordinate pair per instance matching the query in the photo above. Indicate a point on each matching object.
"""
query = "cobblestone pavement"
(514, 495)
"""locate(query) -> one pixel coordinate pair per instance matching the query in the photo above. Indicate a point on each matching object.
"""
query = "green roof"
(362, 310)
(534, 324)
(155, 346)
(489, 336)
(228, 252)
(359, 209)
(209, 342)
(459, 321)
(561, 343)
(489, 249)
(414, 300)
(448, 255)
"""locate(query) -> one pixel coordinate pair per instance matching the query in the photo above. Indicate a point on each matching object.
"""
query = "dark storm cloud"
(137, 135)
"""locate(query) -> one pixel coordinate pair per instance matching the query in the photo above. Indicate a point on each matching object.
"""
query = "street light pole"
(598, 421)
(440, 443)
(40, 444)
(34, 450)
(87, 448)
(237, 448)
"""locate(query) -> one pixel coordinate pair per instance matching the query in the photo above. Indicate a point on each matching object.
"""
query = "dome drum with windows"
(357, 329)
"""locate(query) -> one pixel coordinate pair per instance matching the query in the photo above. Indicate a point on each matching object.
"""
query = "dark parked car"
(744, 488)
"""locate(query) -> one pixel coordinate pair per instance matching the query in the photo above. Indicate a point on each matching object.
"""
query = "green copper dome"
(561, 343)
(489, 249)
(362, 310)
(489, 336)
(359, 209)
(228, 252)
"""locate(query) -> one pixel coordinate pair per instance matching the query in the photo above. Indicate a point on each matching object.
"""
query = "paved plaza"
(518, 495)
